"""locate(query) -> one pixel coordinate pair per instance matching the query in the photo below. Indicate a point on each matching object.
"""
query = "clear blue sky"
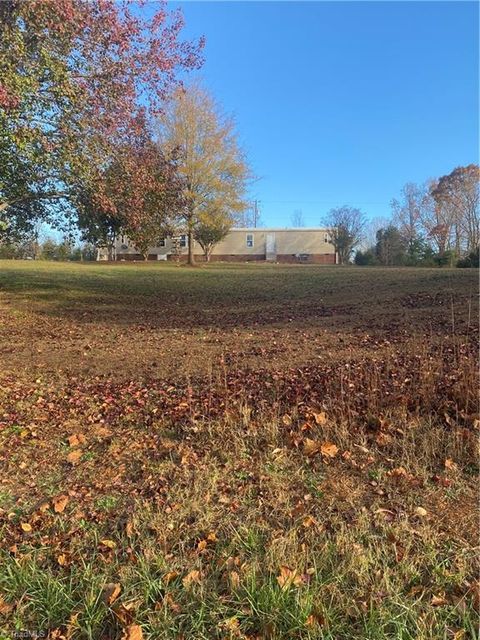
(343, 102)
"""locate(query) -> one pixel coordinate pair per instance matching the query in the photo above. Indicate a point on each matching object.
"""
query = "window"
(183, 241)
(162, 242)
(249, 240)
(327, 238)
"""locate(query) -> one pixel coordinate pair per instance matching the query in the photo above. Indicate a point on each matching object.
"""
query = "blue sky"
(342, 102)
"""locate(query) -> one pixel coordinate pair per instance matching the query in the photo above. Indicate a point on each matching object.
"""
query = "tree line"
(99, 135)
(31, 248)
(436, 223)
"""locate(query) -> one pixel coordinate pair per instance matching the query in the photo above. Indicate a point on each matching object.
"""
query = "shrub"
(365, 258)
(470, 261)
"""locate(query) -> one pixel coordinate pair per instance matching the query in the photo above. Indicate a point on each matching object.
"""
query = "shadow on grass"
(220, 296)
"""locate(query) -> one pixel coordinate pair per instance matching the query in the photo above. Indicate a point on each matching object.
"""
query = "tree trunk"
(191, 257)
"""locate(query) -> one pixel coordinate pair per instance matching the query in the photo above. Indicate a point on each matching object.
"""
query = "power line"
(333, 202)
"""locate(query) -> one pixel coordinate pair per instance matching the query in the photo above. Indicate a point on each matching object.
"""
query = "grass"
(234, 451)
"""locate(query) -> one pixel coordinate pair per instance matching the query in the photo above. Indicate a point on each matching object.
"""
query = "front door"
(270, 248)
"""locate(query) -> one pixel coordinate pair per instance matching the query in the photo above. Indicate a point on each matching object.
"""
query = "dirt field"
(253, 451)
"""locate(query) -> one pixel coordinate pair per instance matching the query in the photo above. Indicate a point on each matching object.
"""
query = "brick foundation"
(327, 258)
(314, 258)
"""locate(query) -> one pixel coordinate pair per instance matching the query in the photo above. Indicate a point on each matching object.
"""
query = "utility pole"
(255, 213)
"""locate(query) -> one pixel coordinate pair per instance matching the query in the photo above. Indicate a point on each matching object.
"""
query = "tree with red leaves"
(139, 194)
(79, 80)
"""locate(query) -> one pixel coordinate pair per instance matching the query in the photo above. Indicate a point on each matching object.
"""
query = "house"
(311, 245)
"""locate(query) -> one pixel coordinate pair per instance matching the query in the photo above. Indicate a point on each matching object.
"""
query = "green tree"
(49, 250)
(365, 258)
(212, 227)
(391, 247)
(64, 250)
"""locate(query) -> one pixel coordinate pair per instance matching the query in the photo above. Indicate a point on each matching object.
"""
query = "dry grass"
(263, 452)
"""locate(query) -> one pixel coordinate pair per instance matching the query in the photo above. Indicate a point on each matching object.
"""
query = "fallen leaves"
(110, 544)
(5, 607)
(193, 577)
(309, 521)
(132, 632)
(326, 449)
(450, 465)
(234, 579)
(62, 559)
(203, 544)
(288, 577)
(26, 527)
(59, 503)
(111, 591)
(320, 418)
(170, 576)
(74, 456)
(76, 439)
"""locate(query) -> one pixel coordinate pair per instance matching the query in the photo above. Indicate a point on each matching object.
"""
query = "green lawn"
(255, 451)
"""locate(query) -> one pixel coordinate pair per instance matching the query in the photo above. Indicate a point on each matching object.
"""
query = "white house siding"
(278, 245)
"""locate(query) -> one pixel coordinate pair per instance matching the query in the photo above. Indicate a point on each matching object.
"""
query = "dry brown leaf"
(60, 503)
(72, 626)
(314, 620)
(62, 559)
(171, 604)
(171, 575)
(398, 472)
(420, 512)
(111, 592)
(191, 578)
(234, 579)
(108, 543)
(73, 440)
(288, 576)
(26, 527)
(132, 632)
(309, 521)
(383, 439)
(124, 612)
(320, 418)
(311, 447)
(212, 537)
(329, 450)
(450, 464)
(438, 601)
(5, 607)
(202, 545)
(74, 456)
(287, 420)
(232, 625)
